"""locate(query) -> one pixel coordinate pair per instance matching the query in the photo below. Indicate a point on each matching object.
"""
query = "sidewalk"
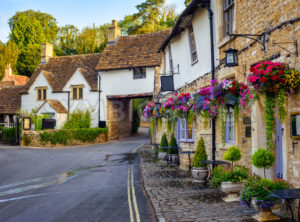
(175, 197)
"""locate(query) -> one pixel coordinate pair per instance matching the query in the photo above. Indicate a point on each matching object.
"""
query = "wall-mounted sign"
(26, 123)
(167, 83)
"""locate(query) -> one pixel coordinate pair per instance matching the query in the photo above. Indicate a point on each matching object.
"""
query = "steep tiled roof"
(10, 99)
(57, 106)
(58, 70)
(20, 80)
(133, 51)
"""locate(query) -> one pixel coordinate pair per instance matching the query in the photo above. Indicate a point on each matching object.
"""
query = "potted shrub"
(200, 170)
(256, 193)
(232, 185)
(263, 158)
(163, 154)
(173, 150)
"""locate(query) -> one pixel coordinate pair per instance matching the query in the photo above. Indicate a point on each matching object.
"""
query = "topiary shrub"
(233, 154)
(263, 158)
(173, 143)
(163, 143)
(200, 154)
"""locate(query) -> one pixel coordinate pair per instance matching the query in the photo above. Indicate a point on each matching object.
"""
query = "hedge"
(65, 136)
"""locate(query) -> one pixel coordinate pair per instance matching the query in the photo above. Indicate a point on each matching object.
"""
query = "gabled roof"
(59, 70)
(133, 51)
(19, 80)
(10, 99)
(57, 106)
(182, 19)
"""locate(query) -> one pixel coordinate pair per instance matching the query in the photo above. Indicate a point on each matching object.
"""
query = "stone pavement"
(175, 197)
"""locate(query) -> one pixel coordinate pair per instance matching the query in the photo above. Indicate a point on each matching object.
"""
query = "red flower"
(275, 78)
(233, 83)
(280, 72)
(252, 69)
(263, 79)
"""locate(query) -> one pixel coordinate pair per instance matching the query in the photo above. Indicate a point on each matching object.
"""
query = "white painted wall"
(121, 82)
(181, 49)
(90, 98)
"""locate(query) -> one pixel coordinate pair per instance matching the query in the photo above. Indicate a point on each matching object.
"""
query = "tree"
(164, 143)
(29, 58)
(233, 154)
(263, 159)
(29, 29)
(10, 55)
(187, 2)
(2, 62)
(173, 145)
(66, 40)
(200, 154)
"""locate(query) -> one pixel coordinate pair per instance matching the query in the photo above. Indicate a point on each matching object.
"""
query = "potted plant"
(256, 193)
(200, 170)
(173, 150)
(163, 154)
(263, 158)
(232, 185)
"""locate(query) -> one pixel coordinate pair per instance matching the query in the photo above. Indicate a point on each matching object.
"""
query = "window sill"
(223, 41)
(76, 99)
(193, 63)
(186, 141)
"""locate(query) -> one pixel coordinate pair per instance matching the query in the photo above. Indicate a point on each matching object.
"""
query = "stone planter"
(174, 159)
(163, 156)
(232, 190)
(263, 215)
(200, 174)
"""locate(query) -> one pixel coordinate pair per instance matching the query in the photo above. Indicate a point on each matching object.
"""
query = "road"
(90, 183)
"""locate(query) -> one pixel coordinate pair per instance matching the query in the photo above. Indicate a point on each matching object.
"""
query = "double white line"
(131, 191)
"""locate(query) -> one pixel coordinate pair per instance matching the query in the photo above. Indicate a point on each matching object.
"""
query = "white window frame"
(192, 42)
(230, 128)
(182, 131)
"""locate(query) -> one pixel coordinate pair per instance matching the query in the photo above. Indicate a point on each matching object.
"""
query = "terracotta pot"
(200, 174)
(232, 190)
(163, 156)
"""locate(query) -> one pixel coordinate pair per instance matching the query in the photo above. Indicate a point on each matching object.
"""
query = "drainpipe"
(68, 104)
(212, 53)
(99, 91)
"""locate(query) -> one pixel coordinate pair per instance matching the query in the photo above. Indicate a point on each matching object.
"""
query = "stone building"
(10, 79)
(276, 21)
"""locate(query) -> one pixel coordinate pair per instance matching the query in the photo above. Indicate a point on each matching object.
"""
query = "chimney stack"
(113, 32)
(8, 70)
(47, 52)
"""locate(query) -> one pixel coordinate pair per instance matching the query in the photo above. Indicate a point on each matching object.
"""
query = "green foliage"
(29, 58)
(261, 189)
(8, 55)
(79, 119)
(26, 140)
(187, 2)
(200, 154)
(263, 159)
(173, 143)
(163, 142)
(233, 154)
(169, 125)
(269, 118)
(66, 136)
(8, 134)
(220, 175)
(281, 103)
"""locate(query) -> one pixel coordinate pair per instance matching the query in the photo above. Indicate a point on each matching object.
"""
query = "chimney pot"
(46, 52)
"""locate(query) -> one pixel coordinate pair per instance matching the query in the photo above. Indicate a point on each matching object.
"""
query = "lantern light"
(231, 58)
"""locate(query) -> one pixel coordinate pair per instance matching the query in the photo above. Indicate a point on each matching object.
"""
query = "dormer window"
(77, 92)
(41, 93)
(139, 73)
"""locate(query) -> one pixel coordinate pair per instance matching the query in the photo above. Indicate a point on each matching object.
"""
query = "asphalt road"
(91, 183)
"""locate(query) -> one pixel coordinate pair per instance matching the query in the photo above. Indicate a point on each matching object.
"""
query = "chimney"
(113, 32)
(47, 52)
(8, 70)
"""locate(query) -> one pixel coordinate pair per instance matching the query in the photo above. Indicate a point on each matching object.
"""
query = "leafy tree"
(2, 62)
(163, 143)
(200, 154)
(233, 154)
(263, 159)
(29, 58)
(66, 40)
(10, 54)
(187, 2)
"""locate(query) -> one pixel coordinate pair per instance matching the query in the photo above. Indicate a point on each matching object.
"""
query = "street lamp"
(231, 58)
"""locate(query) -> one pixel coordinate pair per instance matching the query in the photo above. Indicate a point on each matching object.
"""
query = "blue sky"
(80, 13)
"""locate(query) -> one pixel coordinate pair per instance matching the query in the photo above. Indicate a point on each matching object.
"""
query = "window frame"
(41, 93)
(228, 14)
(171, 61)
(142, 73)
(229, 123)
(77, 88)
(193, 47)
(182, 126)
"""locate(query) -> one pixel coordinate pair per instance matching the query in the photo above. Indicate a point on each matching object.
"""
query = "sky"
(80, 13)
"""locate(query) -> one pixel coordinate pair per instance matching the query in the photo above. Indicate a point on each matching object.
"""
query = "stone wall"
(119, 118)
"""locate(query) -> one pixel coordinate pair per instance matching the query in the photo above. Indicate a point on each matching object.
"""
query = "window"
(76, 92)
(171, 61)
(139, 73)
(228, 16)
(229, 128)
(193, 49)
(41, 94)
(185, 131)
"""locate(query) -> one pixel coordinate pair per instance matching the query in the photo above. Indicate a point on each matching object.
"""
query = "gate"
(9, 133)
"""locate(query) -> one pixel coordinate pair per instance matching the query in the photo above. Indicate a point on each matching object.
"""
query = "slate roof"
(57, 106)
(133, 51)
(59, 70)
(10, 99)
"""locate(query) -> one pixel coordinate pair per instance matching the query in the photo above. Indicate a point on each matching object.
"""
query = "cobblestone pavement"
(175, 197)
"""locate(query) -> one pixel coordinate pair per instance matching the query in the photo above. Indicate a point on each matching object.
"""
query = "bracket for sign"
(295, 43)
